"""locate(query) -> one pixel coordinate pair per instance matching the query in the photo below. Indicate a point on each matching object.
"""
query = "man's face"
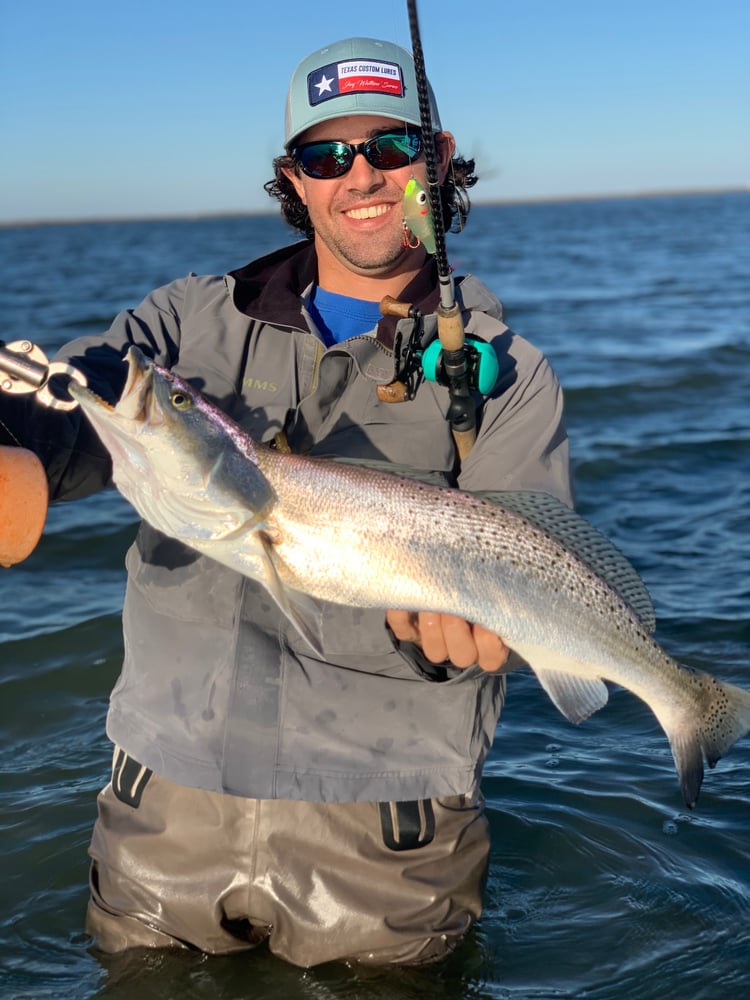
(358, 218)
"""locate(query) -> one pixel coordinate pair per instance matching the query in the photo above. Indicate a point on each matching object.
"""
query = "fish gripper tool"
(24, 368)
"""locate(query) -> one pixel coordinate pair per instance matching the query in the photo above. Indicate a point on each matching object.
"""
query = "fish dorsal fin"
(584, 541)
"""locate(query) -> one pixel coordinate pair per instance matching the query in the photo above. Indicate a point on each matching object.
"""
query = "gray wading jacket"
(217, 689)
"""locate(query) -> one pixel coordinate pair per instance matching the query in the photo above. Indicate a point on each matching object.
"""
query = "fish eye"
(180, 400)
(422, 198)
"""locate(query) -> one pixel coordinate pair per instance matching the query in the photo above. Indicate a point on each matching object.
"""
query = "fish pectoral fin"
(576, 697)
(301, 610)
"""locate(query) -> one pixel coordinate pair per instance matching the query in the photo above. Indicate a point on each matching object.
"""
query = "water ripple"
(601, 884)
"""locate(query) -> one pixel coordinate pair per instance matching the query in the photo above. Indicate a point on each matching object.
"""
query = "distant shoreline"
(240, 214)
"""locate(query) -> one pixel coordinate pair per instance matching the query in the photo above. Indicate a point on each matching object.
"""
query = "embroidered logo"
(355, 76)
(262, 384)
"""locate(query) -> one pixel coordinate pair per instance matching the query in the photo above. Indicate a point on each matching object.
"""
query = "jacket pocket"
(182, 584)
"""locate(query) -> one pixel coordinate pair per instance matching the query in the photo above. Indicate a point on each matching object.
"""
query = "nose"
(363, 175)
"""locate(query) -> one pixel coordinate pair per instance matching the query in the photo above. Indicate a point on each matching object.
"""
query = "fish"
(522, 564)
(418, 213)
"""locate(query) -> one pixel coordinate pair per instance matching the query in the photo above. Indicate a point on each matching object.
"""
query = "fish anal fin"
(576, 697)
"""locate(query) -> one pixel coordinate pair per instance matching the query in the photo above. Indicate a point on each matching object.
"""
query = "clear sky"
(163, 107)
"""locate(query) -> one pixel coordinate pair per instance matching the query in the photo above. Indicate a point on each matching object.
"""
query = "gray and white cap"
(357, 76)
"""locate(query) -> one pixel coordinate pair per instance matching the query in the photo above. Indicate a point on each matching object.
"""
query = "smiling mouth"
(371, 212)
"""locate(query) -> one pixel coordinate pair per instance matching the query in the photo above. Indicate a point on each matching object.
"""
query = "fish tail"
(724, 718)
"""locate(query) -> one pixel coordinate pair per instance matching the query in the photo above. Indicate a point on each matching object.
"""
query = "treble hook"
(408, 236)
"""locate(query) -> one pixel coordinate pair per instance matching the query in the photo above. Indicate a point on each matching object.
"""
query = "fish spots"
(715, 724)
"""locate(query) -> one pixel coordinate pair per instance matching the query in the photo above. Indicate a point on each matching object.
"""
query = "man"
(329, 808)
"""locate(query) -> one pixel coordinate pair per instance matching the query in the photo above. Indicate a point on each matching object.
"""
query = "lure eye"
(180, 400)
(421, 197)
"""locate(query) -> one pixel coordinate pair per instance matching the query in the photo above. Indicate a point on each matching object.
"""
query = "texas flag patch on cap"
(355, 76)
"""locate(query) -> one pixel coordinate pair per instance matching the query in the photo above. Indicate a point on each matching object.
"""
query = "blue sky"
(159, 107)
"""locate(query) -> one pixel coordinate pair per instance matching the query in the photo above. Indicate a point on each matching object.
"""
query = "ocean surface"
(601, 884)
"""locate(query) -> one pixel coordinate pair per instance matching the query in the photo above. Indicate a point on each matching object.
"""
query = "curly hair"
(454, 195)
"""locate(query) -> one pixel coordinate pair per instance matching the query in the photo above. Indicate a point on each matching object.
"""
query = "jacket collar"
(270, 289)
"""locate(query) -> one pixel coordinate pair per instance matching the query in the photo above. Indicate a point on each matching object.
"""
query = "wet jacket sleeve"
(77, 463)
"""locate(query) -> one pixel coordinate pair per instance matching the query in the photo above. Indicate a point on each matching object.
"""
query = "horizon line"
(254, 213)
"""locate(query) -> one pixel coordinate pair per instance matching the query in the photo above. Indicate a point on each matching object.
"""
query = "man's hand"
(445, 637)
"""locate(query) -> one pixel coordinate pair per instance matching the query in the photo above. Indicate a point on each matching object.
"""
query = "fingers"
(403, 624)
(446, 637)
(461, 642)
(492, 653)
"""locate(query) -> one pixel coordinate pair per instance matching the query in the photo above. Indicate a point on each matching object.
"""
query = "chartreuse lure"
(418, 215)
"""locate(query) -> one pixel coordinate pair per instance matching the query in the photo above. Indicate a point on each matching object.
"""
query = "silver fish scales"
(523, 565)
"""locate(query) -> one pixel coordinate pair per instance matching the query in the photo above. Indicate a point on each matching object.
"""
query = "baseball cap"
(357, 76)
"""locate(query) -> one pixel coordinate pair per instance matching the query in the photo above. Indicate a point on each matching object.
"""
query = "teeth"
(371, 212)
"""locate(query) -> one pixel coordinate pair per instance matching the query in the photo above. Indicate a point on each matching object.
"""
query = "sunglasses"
(331, 158)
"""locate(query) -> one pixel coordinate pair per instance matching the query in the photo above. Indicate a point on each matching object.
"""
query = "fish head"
(179, 460)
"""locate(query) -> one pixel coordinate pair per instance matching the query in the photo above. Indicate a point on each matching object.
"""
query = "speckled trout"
(521, 564)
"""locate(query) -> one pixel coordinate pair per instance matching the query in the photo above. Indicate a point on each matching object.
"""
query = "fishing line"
(9, 432)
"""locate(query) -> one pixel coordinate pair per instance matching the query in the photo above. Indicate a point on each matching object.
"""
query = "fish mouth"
(137, 387)
(132, 403)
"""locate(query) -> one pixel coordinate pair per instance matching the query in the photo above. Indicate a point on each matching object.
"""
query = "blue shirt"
(339, 317)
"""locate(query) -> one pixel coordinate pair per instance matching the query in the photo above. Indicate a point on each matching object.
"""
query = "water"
(601, 885)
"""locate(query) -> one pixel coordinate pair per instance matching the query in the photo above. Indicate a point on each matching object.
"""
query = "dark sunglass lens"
(388, 152)
(324, 159)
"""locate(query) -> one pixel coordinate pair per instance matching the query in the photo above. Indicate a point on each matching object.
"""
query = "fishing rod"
(455, 365)
(445, 281)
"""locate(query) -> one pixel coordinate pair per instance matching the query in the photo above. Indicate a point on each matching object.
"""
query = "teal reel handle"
(484, 369)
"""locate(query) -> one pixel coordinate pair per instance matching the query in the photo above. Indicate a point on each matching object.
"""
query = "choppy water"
(601, 885)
